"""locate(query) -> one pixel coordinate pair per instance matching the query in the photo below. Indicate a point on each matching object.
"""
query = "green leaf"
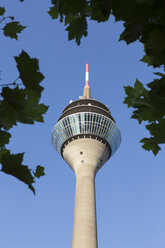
(11, 17)
(53, 12)
(99, 10)
(11, 106)
(133, 31)
(16, 107)
(4, 138)
(2, 11)
(77, 28)
(137, 91)
(150, 145)
(12, 29)
(159, 74)
(134, 94)
(22, 105)
(149, 106)
(70, 7)
(29, 72)
(32, 112)
(39, 171)
(146, 59)
(156, 40)
(12, 165)
(157, 130)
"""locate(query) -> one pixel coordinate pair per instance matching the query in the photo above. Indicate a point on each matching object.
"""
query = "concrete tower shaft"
(85, 156)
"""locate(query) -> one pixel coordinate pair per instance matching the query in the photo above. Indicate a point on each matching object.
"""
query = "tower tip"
(87, 93)
(87, 76)
(87, 67)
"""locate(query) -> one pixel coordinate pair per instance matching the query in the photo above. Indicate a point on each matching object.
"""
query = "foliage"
(12, 165)
(149, 105)
(10, 29)
(20, 104)
(144, 20)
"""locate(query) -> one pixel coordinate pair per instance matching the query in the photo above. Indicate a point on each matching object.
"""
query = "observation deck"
(86, 118)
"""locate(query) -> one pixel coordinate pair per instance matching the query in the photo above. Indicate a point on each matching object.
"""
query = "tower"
(85, 136)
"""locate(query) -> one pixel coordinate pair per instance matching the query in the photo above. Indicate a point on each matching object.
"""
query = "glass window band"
(86, 123)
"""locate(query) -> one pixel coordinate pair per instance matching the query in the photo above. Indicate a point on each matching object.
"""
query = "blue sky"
(130, 188)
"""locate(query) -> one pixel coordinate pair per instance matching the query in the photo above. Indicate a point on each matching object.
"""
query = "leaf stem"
(13, 83)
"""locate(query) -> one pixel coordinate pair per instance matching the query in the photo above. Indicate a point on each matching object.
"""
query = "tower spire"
(87, 76)
(87, 90)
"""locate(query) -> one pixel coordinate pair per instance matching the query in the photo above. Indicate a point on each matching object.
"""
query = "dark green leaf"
(12, 29)
(150, 145)
(146, 59)
(134, 94)
(2, 11)
(156, 40)
(149, 106)
(4, 138)
(29, 72)
(99, 10)
(22, 105)
(53, 12)
(12, 165)
(16, 107)
(159, 74)
(11, 17)
(39, 171)
(133, 31)
(157, 130)
(70, 7)
(11, 106)
(32, 112)
(77, 28)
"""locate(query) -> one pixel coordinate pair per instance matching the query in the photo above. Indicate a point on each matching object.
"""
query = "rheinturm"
(86, 136)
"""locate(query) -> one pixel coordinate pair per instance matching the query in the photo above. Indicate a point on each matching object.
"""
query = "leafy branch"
(149, 106)
(21, 105)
